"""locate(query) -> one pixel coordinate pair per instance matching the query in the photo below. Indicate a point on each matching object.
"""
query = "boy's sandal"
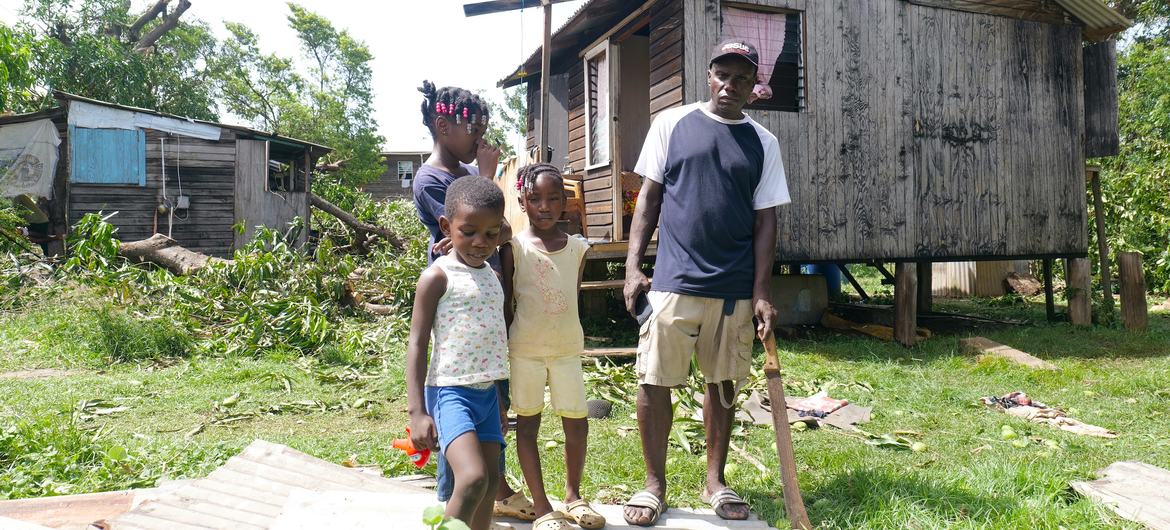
(553, 520)
(645, 499)
(517, 507)
(721, 499)
(584, 514)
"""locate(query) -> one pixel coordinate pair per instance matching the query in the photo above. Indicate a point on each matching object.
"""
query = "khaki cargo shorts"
(683, 325)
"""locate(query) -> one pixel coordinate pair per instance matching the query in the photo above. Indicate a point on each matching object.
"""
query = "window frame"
(409, 173)
(802, 95)
(600, 49)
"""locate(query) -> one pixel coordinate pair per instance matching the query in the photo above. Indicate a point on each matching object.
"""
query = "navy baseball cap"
(738, 48)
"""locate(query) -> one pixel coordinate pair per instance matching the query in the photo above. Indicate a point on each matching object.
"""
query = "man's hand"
(765, 315)
(441, 247)
(422, 432)
(636, 283)
(487, 157)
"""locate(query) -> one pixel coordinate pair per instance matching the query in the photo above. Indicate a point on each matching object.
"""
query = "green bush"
(124, 338)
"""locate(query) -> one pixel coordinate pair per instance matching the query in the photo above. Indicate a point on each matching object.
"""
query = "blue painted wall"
(107, 156)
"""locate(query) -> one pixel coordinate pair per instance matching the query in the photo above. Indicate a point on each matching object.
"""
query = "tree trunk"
(166, 252)
(168, 23)
(363, 229)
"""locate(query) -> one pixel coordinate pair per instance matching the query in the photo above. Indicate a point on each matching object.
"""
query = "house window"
(107, 156)
(405, 172)
(286, 169)
(597, 100)
(779, 38)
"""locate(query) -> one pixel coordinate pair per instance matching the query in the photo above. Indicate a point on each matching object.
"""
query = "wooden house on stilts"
(912, 131)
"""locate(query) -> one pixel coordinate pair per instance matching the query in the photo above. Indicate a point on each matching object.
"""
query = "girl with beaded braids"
(457, 120)
(542, 273)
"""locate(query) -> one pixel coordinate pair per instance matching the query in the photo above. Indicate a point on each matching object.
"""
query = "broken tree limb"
(167, 253)
(150, 14)
(364, 230)
(169, 22)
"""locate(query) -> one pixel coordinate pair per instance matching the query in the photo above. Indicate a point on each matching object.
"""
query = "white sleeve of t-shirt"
(773, 187)
(652, 161)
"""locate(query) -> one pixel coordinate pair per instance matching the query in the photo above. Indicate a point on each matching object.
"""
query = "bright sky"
(410, 40)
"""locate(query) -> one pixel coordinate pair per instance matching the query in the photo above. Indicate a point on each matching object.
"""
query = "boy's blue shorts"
(459, 409)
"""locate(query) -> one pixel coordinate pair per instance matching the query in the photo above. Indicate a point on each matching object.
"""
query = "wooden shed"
(911, 130)
(190, 179)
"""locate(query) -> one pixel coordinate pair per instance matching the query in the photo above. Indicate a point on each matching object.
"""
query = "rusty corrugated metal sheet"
(963, 279)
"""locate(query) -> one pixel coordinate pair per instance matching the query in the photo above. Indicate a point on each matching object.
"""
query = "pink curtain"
(764, 30)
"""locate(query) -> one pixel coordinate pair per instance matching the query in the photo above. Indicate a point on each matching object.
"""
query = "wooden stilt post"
(905, 303)
(1133, 291)
(1079, 291)
(1049, 298)
(925, 287)
(1102, 240)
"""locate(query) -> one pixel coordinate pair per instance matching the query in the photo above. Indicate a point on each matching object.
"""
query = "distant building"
(396, 180)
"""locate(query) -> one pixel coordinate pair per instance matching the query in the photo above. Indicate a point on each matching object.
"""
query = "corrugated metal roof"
(238, 128)
(596, 16)
(1100, 20)
(590, 20)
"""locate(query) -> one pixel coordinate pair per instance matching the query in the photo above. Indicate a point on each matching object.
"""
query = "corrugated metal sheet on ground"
(337, 510)
(251, 489)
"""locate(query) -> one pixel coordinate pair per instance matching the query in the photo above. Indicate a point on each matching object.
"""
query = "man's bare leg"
(654, 421)
(717, 421)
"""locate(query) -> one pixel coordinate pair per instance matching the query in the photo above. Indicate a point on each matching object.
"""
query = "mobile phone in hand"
(642, 309)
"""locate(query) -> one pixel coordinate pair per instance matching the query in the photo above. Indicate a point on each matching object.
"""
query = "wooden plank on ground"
(989, 349)
(613, 353)
(1133, 490)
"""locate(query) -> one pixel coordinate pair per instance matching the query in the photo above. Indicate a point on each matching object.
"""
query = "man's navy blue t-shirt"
(715, 174)
(430, 192)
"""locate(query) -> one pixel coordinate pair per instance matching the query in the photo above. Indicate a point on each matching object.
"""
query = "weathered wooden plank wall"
(666, 52)
(927, 133)
(1101, 127)
(254, 204)
(206, 170)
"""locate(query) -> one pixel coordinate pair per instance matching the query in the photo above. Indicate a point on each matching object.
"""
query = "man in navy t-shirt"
(713, 179)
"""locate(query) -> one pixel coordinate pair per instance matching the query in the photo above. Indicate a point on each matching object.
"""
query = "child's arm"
(507, 270)
(431, 286)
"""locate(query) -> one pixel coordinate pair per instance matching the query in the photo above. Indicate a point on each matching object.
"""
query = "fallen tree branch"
(364, 230)
(166, 252)
(168, 23)
(332, 166)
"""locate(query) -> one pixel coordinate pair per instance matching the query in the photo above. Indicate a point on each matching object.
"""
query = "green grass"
(967, 477)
